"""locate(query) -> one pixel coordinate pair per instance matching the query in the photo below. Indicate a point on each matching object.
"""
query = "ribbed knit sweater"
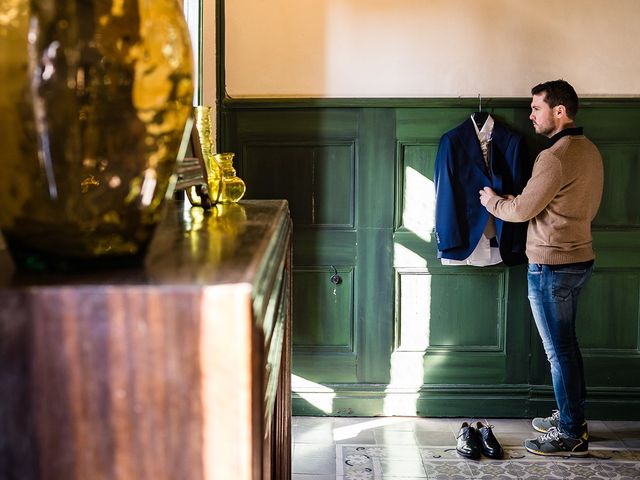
(560, 201)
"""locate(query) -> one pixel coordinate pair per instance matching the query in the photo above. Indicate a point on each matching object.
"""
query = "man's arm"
(543, 185)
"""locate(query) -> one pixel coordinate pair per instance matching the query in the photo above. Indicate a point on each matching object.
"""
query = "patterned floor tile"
(381, 448)
(358, 462)
(449, 470)
(497, 470)
(618, 471)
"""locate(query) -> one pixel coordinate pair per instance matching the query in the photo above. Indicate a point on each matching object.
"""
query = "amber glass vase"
(232, 187)
(94, 101)
(204, 126)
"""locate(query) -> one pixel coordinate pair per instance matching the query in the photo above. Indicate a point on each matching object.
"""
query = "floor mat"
(361, 462)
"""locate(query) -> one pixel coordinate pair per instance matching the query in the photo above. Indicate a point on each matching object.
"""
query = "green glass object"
(94, 101)
(205, 134)
(232, 187)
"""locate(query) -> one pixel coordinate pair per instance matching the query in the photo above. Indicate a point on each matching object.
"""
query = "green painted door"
(340, 186)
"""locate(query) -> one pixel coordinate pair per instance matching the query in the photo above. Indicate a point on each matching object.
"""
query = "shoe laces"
(465, 429)
(555, 415)
(552, 434)
(484, 428)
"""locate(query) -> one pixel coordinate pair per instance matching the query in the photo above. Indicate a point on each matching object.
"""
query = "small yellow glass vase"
(205, 134)
(232, 187)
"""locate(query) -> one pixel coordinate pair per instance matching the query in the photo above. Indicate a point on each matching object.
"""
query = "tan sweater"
(560, 201)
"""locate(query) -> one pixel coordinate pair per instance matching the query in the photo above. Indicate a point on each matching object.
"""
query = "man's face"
(542, 116)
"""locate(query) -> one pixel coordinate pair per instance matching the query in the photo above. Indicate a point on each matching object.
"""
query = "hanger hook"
(479, 103)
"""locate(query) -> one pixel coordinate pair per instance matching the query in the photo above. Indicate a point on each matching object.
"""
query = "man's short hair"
(559, 92)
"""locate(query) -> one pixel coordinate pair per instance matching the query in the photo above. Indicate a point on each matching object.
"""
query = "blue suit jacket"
(460, 173)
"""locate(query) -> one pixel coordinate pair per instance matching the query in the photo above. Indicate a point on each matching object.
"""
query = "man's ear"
(560, 111)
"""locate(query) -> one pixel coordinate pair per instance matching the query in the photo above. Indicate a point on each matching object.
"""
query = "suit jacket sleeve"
(513, 235)
(521, 166)
(447, 230)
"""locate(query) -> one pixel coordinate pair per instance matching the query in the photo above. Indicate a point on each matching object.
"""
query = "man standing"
(559, 201)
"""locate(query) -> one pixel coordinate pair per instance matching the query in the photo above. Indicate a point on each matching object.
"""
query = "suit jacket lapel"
(496, 149)
(471, 145)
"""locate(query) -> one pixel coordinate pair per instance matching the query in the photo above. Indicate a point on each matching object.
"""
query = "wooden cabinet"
(179, 369)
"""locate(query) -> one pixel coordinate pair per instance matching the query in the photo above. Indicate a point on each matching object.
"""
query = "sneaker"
(556, 443)
(543, 425)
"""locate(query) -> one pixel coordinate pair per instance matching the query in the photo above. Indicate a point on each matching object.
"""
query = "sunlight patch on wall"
(419, 204)
(406, 256)
(316, 394)
(414, 318)
(406, 380)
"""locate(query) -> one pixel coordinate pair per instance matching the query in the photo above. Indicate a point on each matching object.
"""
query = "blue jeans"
(553, 295)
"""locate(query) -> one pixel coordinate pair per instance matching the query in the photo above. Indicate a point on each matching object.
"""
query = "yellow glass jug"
(232, 187)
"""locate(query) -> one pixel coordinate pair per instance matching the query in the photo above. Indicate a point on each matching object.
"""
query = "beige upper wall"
(209, 53)
(430, 48)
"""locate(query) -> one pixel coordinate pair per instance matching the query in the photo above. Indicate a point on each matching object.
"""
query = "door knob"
(335, 278)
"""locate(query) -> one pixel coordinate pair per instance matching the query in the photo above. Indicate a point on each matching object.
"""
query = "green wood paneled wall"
(402, 334)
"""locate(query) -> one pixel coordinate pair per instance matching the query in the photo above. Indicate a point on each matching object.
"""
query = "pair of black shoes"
(472, 442)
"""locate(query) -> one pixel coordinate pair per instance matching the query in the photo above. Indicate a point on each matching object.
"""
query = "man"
(559, 201)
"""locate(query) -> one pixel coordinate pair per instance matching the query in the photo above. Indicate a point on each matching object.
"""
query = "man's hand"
(485, 194)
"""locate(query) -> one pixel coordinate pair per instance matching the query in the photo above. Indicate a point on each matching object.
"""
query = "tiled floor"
(339, 448)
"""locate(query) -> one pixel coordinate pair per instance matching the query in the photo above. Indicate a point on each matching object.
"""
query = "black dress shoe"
(468, 444)
(490, 446)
